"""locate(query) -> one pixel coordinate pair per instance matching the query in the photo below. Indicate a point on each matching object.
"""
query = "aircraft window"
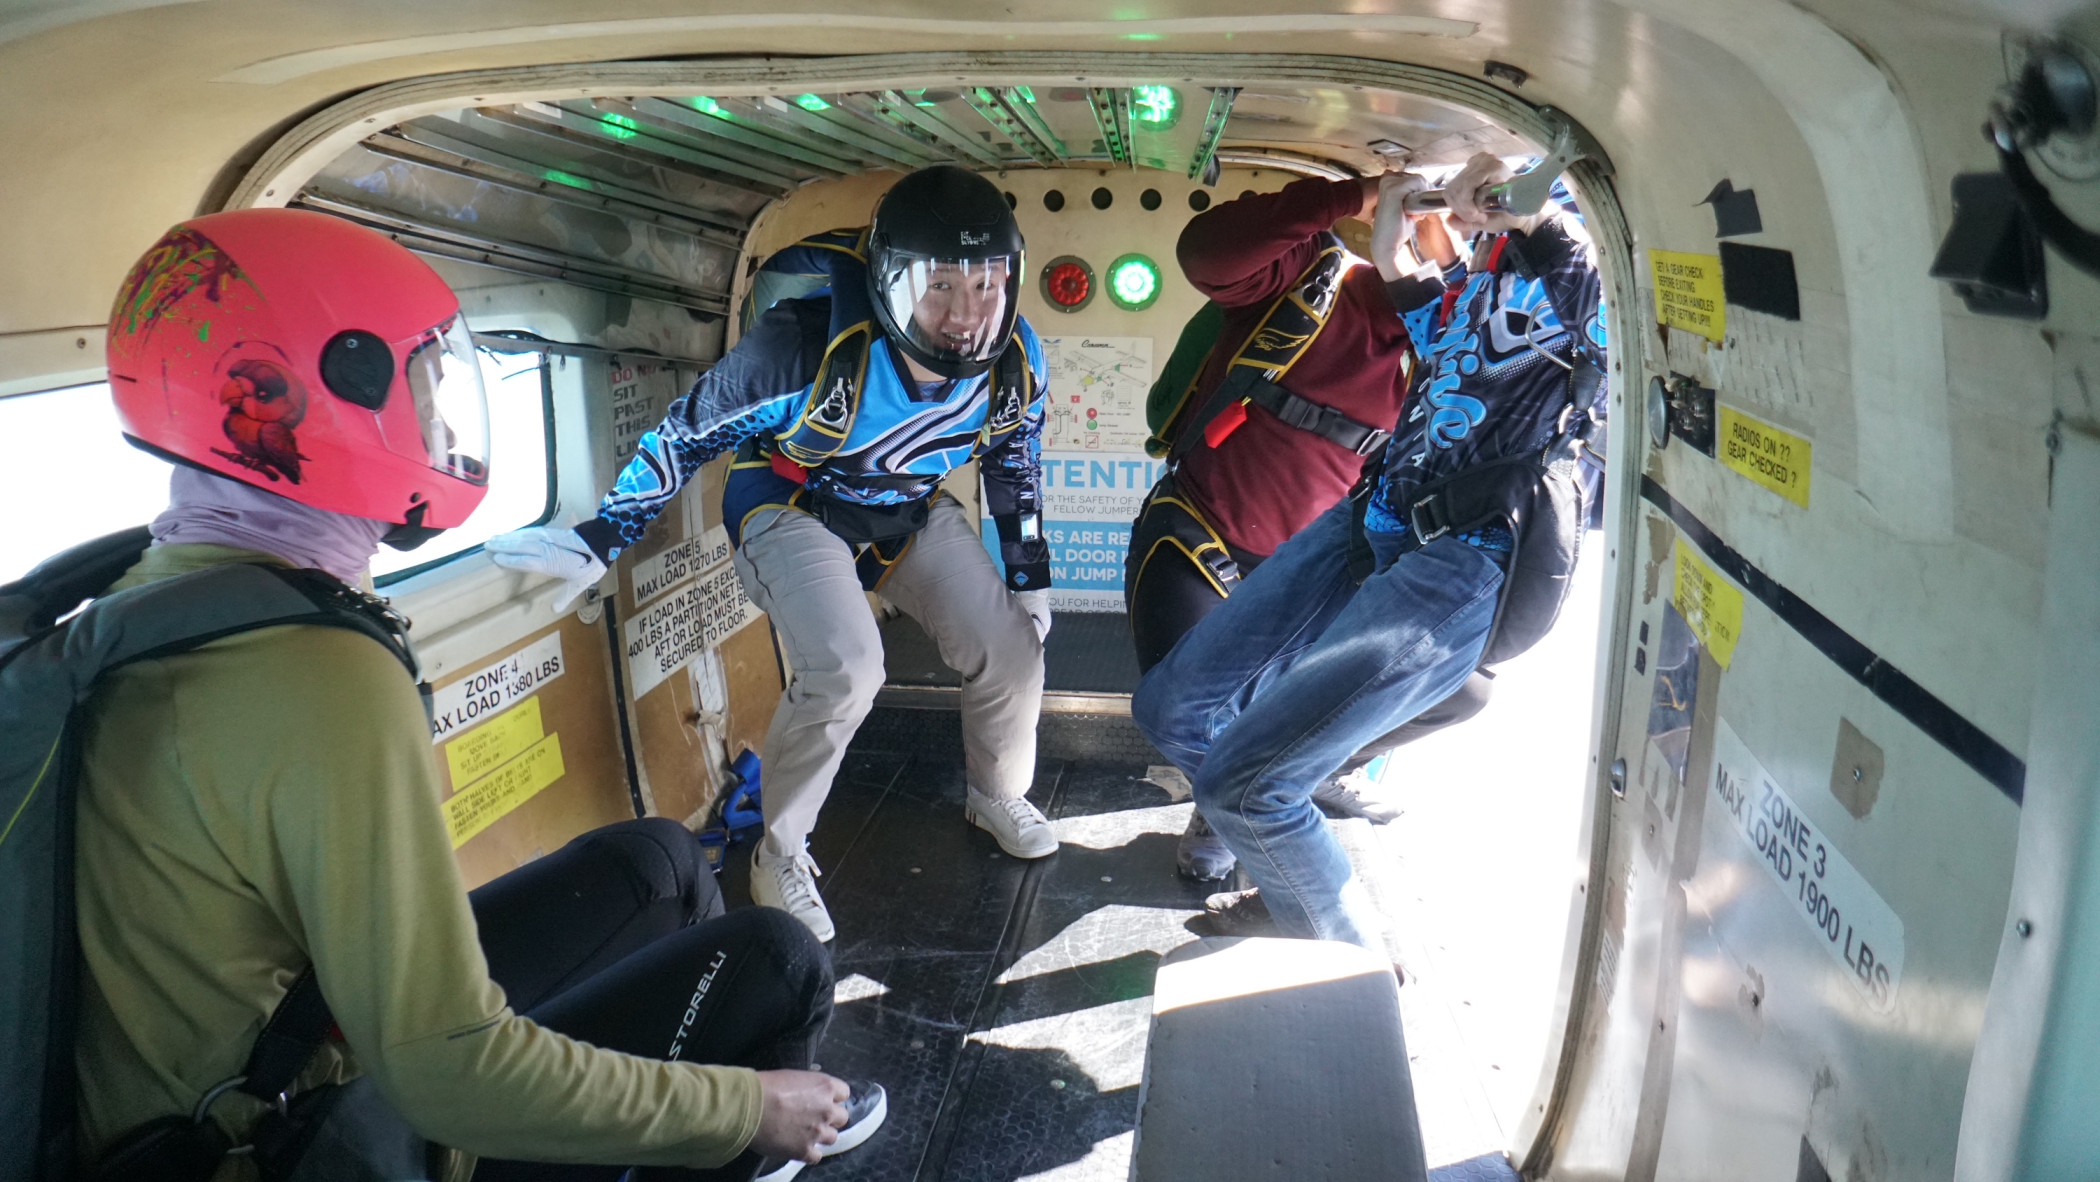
(1054, 200)
(1149, 199)
(66, 475)
(521, 467)
(1199, 200)
(1103, 198)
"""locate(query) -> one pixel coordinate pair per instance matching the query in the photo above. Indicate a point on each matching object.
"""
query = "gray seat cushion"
(1276, 1059)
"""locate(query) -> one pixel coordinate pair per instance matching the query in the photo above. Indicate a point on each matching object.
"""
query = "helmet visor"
(959, 310)
(452, 411)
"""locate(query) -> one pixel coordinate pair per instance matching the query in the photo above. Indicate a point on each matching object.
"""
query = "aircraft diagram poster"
(1095, 470)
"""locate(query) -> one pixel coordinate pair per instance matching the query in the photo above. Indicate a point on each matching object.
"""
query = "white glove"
(556, 553)
(1462, 193)
(1391, 228)
(1037, 605)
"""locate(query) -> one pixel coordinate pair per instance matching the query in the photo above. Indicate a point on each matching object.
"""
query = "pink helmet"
(308, 356)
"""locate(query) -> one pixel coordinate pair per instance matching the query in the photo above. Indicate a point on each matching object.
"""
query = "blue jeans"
(1281, 684)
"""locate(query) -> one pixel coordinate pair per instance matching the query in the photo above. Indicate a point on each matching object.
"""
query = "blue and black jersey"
(1494, 381)
(904, 439)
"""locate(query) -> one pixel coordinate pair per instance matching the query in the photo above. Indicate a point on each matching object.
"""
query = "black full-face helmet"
(944, 269)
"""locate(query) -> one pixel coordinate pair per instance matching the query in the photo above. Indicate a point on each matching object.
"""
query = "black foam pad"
(358, 368)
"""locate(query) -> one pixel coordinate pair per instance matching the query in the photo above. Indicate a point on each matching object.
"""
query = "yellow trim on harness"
(1319, 318)
(850, 252)
(860, 378)
(991, 391)
(745, 524)
(1216, 543)
(1193, 561)
(1191, 511)
(889, 565)
(1158, 446)
(49, 757)
(848, 331)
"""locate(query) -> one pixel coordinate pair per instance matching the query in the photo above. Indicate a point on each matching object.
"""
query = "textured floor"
(1004, 1004)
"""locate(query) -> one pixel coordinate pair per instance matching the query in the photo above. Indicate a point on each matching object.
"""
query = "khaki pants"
(802, 575)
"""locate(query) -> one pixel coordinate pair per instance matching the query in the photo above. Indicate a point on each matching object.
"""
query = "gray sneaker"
(1201, 853)
(1239, 913)
(1354, 794)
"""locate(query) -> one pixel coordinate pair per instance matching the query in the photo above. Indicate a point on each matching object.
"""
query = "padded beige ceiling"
(650, 196)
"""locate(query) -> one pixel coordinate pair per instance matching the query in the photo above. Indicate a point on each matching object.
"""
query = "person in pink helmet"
(265, 807)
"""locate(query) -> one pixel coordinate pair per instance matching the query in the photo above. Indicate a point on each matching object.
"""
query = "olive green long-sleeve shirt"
(272, 800)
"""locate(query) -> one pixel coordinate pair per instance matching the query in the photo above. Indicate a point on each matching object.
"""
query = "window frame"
(548, 507)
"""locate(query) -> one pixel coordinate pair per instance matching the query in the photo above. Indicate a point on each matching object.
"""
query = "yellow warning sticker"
(1709, 603)
(1688, 292)
(1776, 459)
(495, 742)
(484, 802)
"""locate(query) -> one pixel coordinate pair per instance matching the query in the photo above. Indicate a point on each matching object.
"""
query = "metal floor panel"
(1086, 653)
(1004, 1004)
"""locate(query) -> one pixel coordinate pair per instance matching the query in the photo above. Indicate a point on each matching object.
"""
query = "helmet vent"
(358, 368)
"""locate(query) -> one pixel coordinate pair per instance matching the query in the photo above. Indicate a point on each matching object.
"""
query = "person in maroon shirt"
(1244, 478)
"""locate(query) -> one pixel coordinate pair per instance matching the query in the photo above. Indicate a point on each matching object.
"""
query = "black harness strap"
(1168, 522)
(1323, 421)
(1478, 496)
(1286, 331)
(296, 1029)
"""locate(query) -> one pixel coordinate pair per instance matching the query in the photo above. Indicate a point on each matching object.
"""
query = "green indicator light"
(620, 127)
(566, 178)
(1156, 107)
(1141, 36)
(1133, 282)
(810, 102)
(707, 106)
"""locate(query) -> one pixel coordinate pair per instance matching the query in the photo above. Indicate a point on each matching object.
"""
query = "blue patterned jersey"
(902, 443)
(1482, 391)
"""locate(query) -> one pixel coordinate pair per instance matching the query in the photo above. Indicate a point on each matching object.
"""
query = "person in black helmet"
(846, 409)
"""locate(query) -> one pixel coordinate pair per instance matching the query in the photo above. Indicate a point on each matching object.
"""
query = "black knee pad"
(663, 860)
(800, 958)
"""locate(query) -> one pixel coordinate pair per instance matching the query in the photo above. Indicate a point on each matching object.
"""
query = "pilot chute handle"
(1519, 196)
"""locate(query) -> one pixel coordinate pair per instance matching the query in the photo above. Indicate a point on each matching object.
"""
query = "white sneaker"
(1018, 827)
(790, 884)
(866, 1108)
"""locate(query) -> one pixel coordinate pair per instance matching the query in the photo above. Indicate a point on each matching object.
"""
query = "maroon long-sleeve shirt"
(1267, 480)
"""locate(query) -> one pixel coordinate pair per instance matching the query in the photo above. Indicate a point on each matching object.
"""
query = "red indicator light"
(1070, 284)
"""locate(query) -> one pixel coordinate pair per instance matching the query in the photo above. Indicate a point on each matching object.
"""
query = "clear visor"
(444, 376)
(959, 308)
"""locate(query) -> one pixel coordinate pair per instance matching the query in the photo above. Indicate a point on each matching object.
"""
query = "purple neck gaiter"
(215, 510)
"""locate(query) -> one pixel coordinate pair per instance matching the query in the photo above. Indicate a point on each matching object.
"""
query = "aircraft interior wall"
(1827, 678)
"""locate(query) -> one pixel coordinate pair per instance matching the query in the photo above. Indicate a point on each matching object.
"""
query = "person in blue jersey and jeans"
(1303, 665)
(836, 492)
